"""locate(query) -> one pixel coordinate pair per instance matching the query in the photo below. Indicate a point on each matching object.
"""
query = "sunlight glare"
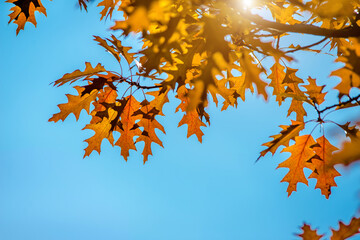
(246, 4)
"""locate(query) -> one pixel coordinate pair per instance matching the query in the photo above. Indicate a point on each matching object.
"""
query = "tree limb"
(352, 31)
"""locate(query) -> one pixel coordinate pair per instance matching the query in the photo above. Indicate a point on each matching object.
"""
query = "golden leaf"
(301, 152)
(320, 165)
(75, 104)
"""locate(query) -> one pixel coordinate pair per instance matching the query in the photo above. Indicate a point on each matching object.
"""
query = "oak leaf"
(282, 139)
(346, 231)
(109, 7)
(116, 48)
(309, 234)
(301, 153)
(322, 172)
(102, 131)
(349, 153)
(75, 104)
(314, 91)
(24, 11)
(77, 74)
(149, 124)
(127, 130)
(293, 91)
(277, 77)
(191, 118)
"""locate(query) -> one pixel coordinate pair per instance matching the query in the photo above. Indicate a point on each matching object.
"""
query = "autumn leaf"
(314, 91)
(105, 98)
(149, 124)
(160, 98)
(252, 74)
(116, 48)
(277, 77)
(309, 234)
(346, 231)
(102, 131)
(191, 118)
(301, 153)
(349, 74)
(83, 4)
(128, 128)
(109, 7)
(293, 91)
(75, 104)
(349, 153)
(320, 165)
(77, 74)
(283, 138)
(24, 11)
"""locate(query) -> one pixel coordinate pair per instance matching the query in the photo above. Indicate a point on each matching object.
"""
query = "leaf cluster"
(218, 51)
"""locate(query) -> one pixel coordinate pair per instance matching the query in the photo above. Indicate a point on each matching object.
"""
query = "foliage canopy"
(206, 50)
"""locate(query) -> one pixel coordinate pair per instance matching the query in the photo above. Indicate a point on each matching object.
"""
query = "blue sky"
(187, 190)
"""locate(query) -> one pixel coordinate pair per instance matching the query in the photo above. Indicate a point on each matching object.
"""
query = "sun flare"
(246, 3)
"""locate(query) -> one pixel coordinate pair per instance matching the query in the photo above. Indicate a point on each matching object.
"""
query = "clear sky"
(187, 190)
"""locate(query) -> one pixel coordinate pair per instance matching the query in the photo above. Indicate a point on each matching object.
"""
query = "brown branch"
(308, 46)
(341, 103)
(352, 31)
(136, 84)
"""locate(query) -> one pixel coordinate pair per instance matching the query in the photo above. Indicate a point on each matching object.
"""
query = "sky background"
(187, 190)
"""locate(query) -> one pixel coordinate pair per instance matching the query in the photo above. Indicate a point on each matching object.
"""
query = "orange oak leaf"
(309, 234)
(277, 77)
(77, 74)
(349, 74)
(160, 98)
(24, 11)
(320, 165)
(191, 118)
(149, 124)
(75, 104)
(301, 152)
(127, 130)
(116, 48)
(349, 153)
(293, 91)
(194, 124)
(105, 97)
(315, 92)
(346, 231)
(136, 22)
(252, 74)
(109, 6)
(102, 131)
(283, 138)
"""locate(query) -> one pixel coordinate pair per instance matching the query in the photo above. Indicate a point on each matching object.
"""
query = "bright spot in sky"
(247, 3)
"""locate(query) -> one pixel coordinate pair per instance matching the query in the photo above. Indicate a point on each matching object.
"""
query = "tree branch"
(122, 79)
(352, 31)
(341, 103)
